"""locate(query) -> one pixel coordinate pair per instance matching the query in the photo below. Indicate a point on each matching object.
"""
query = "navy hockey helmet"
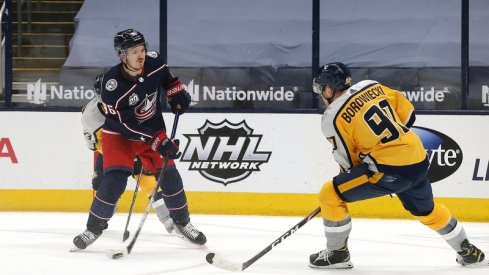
(126, 39)
(335, 74)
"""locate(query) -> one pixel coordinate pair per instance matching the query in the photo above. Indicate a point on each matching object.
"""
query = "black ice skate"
(85, 239)
(188, 232)
(470, 255)
(335, 259)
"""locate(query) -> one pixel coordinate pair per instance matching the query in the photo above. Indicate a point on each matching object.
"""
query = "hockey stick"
(118, 253)
(222, 263)
(126, 234)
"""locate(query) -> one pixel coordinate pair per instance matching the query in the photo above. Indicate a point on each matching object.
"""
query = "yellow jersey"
(369, 124)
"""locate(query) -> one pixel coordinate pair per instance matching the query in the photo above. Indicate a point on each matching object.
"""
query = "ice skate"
(85, 239)
(188, 232)
(470, 255)
(334, 259)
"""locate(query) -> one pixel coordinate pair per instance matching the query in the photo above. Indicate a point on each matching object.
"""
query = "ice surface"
(39, 243)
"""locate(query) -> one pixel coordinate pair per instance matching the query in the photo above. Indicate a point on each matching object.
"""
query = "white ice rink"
(38, 243)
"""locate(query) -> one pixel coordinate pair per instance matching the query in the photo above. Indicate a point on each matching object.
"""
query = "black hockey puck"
(117, 255)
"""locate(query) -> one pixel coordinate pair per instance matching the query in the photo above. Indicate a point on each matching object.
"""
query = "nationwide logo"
(235, 94)
(423, 95)
(485, 95)
(37, 93)
(444, 153)
(224, 152)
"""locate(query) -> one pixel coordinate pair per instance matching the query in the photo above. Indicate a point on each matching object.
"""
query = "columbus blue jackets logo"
(147, 108)
(224, 152)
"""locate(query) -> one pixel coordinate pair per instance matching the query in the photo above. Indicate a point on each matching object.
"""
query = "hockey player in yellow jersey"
(368, 125)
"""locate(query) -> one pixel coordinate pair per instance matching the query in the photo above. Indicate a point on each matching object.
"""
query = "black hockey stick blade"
(222, 263)
(126, 235)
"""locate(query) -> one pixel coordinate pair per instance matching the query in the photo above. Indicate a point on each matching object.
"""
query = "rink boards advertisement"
(240, 162)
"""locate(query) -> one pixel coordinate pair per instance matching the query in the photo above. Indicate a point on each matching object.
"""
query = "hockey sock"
(105, 200)
(337, 233)
(336, 218)
(441, 221)
(454, 234)
(333, 208)
(174, 195)
(438, 218)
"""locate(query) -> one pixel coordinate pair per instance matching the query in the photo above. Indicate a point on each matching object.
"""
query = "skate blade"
(75, 249)
(484, 263)
(345, 265)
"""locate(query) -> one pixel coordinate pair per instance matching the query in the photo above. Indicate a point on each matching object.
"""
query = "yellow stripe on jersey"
(363, 179)
(353, 183)
(376, 177)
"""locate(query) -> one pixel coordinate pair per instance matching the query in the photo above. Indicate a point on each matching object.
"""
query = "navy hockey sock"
(105, 200)
(174, 195)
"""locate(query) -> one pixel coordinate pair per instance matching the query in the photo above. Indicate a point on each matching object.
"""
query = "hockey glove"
(178, 98)
(167, 148)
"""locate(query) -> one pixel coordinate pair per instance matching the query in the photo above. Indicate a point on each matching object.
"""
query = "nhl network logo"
(224, 152)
